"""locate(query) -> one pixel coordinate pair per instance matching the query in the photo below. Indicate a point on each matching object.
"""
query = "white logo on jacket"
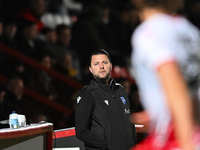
(106, 101)
(127, 111)
(78, 99)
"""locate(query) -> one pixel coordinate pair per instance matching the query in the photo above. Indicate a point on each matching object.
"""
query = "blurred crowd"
(60, 35)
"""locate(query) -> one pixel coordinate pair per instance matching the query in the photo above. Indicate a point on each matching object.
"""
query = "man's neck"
(149, 12)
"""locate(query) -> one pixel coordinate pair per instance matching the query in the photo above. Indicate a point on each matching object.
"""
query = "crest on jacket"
(123, 100)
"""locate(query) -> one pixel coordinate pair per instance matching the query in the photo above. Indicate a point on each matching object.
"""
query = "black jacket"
(102, 117)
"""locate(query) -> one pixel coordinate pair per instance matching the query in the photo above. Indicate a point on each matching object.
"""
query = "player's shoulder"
(160, 26)
(149, 29)
(185, 26)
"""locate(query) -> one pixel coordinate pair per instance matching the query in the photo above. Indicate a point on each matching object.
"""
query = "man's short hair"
(99, 52)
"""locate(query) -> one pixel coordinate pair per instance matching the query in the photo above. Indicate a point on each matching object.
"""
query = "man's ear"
(90, 69)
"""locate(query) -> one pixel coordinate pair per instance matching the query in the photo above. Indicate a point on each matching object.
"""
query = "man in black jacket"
(102, 111)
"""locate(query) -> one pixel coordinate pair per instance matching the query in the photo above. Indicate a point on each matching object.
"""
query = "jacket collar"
(111, 86)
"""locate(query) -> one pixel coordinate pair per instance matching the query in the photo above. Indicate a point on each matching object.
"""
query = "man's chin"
(102, 77)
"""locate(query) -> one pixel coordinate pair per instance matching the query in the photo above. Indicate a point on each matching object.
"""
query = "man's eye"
(105, 62)
(96, 64)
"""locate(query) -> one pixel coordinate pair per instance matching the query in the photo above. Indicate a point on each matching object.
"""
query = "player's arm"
(179, 102)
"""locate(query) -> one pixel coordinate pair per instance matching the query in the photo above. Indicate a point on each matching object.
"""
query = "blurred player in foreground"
(165, 58)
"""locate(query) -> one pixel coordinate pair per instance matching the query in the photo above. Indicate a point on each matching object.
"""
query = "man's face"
(18, 88)
(31, 32)
(101, 67)
(65, 37)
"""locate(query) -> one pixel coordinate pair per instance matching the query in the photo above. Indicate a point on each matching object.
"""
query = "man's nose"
(101, 65)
